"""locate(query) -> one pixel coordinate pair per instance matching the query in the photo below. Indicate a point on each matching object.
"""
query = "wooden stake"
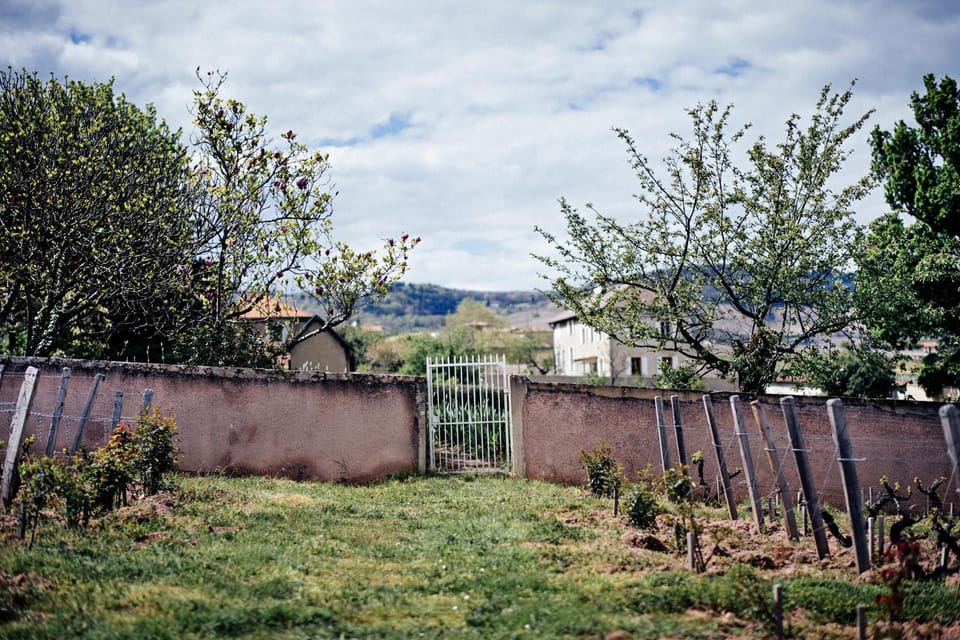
(57, 412)
(951, 433)
(678, 431)
(810, 497)
(87, 408)
(776, 466)
(778, 610)
(117, 410)
(747, 458)
(721, 458)
(24, 400)
(662, 433)
(851, 486)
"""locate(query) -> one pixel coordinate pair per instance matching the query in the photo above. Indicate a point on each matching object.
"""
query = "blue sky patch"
(397, 123)
(734, 67)
(650, 82)
(77, 37)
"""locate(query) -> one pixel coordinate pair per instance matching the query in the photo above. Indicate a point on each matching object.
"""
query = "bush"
(155, 449)
(98, 481)
(642, 504)
(112, 468)
(604, 474)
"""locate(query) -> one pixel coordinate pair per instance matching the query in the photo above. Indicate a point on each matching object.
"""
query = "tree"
(858, 370)
(734, 265)
(263, 222)
(681, 377)
(92, 214)
(909, 276)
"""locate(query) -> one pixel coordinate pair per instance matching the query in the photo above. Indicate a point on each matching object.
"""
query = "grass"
(420, 557)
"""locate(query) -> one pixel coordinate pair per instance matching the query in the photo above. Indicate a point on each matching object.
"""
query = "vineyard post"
(951, 433)
(810, 497)
(721, 458)
(87, 408)
(117, 410)
(662, 433)
(776, 466)
(744, 442)
(57, 412)
(851, 485)
(147, 400)
(678, 430)
(24, 400)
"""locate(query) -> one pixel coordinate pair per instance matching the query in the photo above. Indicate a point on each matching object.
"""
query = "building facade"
(581, 350)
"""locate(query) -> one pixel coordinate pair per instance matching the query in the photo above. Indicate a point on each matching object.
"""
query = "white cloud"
(465, 124)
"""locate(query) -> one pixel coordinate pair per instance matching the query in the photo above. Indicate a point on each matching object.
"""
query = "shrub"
(155, 449)
(77, 490)
(642, 504)
(604, 474)
(112, 468)
(39, 478)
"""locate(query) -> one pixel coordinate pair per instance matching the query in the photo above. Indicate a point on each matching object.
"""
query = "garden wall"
(899, 439)
(358, 428)
(335, 427)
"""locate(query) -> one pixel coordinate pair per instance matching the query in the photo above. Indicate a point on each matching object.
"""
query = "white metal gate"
(468, 405)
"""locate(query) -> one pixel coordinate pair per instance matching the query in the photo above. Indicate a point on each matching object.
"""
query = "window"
(664, 329)
(636, 366)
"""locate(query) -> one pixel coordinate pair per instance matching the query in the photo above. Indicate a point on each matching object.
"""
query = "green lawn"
(424, 557)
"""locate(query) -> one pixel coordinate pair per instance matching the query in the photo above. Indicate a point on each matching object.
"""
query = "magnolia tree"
(262, 222)
(734, 259)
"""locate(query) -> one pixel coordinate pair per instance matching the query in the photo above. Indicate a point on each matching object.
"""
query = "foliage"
(681, 378)
(417, 347)
(604, 474)
(734, 264)
(112, 468)
(93, 215)
(909, 275)
(155, 449)
(642, 504)
(364, 345)
(39, 477)
(594, 379)
(411, 307)
(263, 220)
(855, 371)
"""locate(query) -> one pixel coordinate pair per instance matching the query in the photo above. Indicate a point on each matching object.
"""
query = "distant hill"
(418, 307)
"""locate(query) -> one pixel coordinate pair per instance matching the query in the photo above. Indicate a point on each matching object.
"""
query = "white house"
(579, 349)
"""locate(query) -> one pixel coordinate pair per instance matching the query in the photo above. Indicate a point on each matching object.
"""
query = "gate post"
(518, 398)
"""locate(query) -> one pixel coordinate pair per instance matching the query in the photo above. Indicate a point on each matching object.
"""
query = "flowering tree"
(262, 221)
(734, 260)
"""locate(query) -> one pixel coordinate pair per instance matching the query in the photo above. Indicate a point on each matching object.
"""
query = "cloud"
(466, 124)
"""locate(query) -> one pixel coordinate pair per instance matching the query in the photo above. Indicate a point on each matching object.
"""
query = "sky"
(465, 123)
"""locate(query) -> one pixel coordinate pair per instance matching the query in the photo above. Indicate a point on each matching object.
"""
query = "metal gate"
(468, 405)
